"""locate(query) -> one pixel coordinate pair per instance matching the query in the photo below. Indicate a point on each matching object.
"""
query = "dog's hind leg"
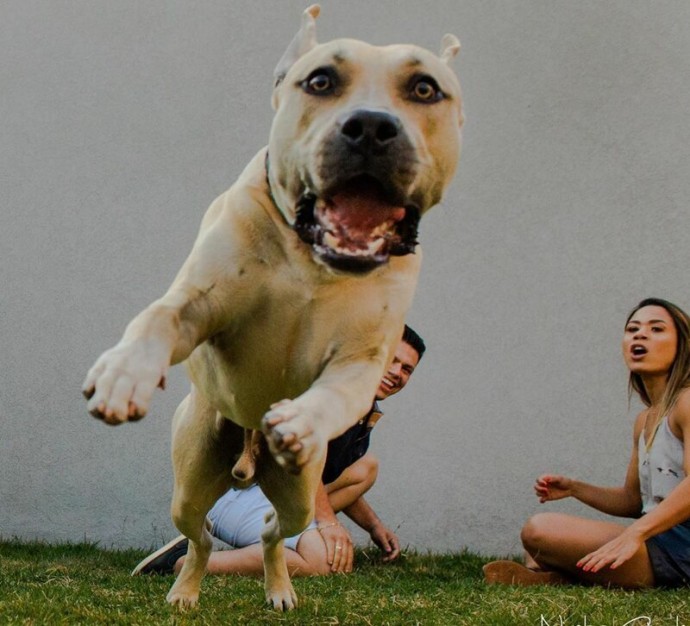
(292, 497)
(204, 448)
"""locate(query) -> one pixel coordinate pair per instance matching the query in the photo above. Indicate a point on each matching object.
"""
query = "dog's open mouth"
(358, 226)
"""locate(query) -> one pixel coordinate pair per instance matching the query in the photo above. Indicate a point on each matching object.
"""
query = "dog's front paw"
(183, 600)
(120, 384)
(291, 436)
(282, 598)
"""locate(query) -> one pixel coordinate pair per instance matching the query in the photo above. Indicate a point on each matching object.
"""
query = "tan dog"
(297, 286)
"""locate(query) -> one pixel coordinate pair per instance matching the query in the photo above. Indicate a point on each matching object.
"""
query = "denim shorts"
(237, 518)
(669, 553)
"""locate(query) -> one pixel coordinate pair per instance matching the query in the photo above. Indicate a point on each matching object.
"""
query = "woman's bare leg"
(558, 541)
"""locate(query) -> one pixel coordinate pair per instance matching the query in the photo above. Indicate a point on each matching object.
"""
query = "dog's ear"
(304, 40)
(450, 46)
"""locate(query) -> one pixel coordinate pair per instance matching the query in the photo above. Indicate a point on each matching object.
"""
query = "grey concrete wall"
(122, 120)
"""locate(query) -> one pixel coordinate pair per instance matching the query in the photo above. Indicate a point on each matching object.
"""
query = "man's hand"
(339, 549)
(387, 541)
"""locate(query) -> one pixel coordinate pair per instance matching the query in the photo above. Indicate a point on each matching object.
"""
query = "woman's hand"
(614, 553)
(553, 487)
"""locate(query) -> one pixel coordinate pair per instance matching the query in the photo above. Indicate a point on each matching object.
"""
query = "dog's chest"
(280, 346)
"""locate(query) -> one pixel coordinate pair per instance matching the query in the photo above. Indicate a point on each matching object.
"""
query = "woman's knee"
(538, 532)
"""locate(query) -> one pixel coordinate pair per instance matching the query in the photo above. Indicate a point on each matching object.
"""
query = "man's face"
(399, 371)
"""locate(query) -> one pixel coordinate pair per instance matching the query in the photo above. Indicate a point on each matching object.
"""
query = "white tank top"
(661, 468)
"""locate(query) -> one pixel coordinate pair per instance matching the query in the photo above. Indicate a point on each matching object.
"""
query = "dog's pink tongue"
(364, 209)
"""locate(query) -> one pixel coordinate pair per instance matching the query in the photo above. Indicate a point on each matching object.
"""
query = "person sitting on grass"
(237, 518)
(654, 551)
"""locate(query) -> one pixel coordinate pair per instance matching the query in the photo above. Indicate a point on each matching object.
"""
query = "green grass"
(82, 584)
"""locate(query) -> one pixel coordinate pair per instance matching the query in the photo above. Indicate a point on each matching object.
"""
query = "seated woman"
(655, 549)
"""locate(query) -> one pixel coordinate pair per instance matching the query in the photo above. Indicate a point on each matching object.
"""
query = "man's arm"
(365, 517)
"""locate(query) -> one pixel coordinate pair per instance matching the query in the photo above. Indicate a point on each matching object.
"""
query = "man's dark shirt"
(352, 445)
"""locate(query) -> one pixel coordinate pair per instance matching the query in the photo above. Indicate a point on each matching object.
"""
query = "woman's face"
(649, 341)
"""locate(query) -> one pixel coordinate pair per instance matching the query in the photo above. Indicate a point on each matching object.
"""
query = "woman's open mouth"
(637, 351)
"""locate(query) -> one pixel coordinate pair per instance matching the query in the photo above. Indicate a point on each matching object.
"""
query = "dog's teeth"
(382, 229)
(328, 223)
(330, 240)
(371, 247)
(376, 245)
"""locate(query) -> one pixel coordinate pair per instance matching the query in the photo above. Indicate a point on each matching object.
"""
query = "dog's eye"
(320, 82)
(425, 89)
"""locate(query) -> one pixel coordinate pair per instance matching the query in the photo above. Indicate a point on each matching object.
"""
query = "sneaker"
(512, 573)
(162, 562)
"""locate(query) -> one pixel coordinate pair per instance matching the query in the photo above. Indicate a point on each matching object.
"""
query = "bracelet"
(320, 528)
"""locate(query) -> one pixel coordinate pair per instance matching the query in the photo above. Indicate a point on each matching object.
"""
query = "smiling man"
(350, 471)
(326, 546)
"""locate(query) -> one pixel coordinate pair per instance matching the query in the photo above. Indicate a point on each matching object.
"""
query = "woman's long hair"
(679, 373)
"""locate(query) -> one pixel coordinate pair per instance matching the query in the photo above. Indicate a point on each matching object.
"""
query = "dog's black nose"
(370, 130)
